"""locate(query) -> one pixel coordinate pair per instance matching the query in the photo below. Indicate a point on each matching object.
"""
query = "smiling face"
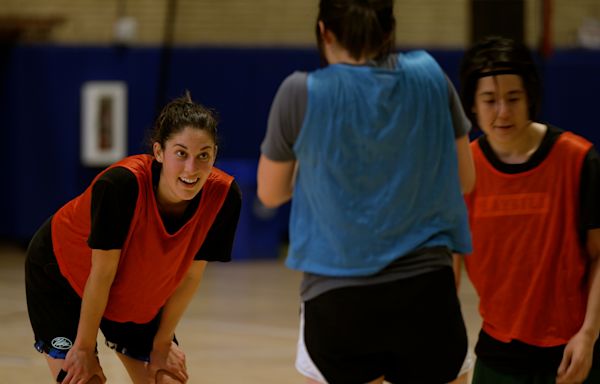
(187, 159)
(501, 108)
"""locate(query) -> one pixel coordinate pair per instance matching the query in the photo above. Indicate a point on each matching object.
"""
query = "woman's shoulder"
(572, 135)
(234, 196)
(294, 81)
(118, 177)
(235, 190)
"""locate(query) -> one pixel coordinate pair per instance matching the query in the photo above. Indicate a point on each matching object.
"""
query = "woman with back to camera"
(535, 220)
(128, 254)
(374, 149)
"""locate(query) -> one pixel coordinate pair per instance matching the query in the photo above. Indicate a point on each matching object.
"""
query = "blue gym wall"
(40, 90)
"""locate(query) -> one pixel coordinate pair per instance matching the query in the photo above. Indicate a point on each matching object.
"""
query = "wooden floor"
(241, 327)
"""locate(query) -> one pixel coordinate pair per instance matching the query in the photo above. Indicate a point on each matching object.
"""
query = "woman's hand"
(169, 358)
(578, 355)
(577, 359)
(82, 366)
(81, 362)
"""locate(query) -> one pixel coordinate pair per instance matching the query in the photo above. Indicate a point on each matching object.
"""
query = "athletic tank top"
(153, 261)
(377, 176)
(528, 264)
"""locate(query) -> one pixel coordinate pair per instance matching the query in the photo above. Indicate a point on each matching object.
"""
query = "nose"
(503, 108)
(191, 165)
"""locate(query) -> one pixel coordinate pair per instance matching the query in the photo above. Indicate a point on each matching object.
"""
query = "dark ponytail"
(366, 28)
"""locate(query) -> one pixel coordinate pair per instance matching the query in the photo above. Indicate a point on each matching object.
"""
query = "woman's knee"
(164, 377)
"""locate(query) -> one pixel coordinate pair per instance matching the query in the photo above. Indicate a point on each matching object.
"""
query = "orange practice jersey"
(152, 262)
(528, 264)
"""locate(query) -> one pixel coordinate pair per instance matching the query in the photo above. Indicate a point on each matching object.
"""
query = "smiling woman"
(187, 160)
(127, 255)
(535, 221)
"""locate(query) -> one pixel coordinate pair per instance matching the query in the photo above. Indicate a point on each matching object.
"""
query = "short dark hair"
(497, 53)
(363, 27)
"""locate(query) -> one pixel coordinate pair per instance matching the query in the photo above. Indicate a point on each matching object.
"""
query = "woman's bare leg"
(137, 371)
(135, 368)
(56, 364)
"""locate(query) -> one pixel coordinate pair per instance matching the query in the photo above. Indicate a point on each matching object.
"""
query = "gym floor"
(241, 327)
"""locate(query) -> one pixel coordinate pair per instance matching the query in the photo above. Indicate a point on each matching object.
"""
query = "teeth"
(189, 181)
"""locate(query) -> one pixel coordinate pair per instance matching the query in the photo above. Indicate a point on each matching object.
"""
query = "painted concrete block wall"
(423, 23)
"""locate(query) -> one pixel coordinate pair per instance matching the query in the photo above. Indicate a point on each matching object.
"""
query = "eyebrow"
(186, 148)
(492, 93)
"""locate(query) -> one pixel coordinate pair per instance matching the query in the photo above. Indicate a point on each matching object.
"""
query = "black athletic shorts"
(54, 308)
(410, 331)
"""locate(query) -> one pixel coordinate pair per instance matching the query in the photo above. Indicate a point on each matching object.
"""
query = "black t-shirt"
(114, 197)
(515, 356)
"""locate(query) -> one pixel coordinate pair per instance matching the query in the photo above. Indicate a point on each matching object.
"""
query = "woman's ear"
(158, 153)
(321, 28)
(326, 35)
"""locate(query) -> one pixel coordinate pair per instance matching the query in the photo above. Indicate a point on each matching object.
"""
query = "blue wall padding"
(40, 88)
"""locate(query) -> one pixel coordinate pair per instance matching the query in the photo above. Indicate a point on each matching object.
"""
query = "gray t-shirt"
(285, 121)
(289, 106)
